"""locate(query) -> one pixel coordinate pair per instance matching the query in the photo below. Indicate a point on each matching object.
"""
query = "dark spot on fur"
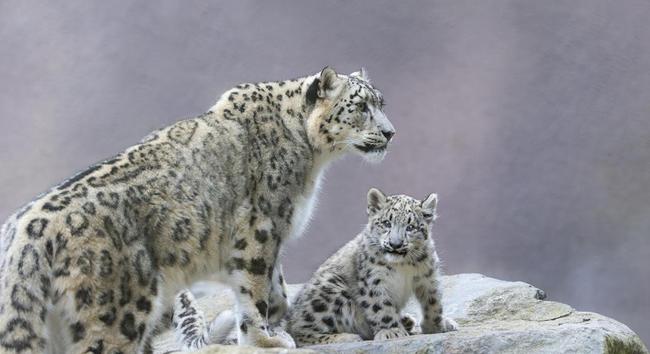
(78, 331)
(261, 236)
(89, 208)
(127, 327)
(257, 266)
(308, 317)
(97, 348)
(329, 321)
(262, 307)
(241, 244)
(36, 227)
(18, 335)
(143, 305)
(318, 305)
(83, 297)
(109, 317)
(29, 262)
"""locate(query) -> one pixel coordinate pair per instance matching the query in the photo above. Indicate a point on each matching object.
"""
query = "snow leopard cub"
(358, 293)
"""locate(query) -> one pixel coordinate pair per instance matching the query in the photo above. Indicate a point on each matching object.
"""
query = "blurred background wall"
(531, 119)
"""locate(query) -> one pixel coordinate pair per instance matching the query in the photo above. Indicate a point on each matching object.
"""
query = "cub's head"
(399, 227)
(348, 115)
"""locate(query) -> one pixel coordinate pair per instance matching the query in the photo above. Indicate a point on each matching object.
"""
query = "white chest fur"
(400, 285)
(304, 207)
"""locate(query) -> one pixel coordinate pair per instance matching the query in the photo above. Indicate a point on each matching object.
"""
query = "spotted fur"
(359, 292)
(92, 265)
(191, 329)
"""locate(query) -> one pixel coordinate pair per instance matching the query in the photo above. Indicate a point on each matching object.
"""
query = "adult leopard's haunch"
(101, 256)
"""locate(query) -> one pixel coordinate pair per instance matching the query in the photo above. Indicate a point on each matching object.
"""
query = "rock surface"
(495, 316)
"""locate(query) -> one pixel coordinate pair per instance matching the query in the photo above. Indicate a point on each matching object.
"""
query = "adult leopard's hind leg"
(97, 323)
(23, 304)
(24, 287)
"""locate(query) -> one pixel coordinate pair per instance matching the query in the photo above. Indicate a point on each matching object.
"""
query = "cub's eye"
(363, 107)
(410, 228)
(386, 223)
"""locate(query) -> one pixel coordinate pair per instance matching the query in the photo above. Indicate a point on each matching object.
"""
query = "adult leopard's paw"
(391, 333)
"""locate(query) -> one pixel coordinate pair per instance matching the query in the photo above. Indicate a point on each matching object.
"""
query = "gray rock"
(495, 316)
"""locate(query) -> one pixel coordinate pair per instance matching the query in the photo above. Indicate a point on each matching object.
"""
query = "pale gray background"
(529, 118)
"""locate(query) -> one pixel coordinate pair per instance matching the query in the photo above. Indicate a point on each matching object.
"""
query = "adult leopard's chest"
(305, 203)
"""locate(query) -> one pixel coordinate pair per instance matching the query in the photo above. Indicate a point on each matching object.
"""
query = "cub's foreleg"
(429, 296)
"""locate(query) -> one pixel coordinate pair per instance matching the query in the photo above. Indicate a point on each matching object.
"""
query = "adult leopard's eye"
(363, 107)
(410, 228)
(386, 223)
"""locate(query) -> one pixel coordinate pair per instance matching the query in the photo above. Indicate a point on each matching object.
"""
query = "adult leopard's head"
(399, 226)
(348, 115)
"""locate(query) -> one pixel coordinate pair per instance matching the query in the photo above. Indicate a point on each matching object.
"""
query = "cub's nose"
(388, 134)
(395, 244)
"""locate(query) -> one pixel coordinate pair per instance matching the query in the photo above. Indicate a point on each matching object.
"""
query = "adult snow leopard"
(95, 261)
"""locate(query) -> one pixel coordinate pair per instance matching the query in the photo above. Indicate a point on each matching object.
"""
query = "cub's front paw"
(442, 324)
(410, 323)
(391, 333)
(448, 325)
(276, 338)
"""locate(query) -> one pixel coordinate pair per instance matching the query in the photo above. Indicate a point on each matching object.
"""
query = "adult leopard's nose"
(388, 134)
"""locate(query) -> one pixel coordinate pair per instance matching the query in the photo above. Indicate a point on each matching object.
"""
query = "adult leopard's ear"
(323, 86)
(429, 207)
(376, 200)
(361, 74)
(328, 78)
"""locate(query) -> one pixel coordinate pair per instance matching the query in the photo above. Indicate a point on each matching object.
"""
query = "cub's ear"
(376, 200)
(361, 74)
(328, 78)
(429, 207)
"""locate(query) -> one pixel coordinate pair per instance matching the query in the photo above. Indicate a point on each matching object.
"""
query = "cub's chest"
(399, 284)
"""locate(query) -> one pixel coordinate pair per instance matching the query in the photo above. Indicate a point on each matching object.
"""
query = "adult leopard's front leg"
(278, 303)
(251, 270)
